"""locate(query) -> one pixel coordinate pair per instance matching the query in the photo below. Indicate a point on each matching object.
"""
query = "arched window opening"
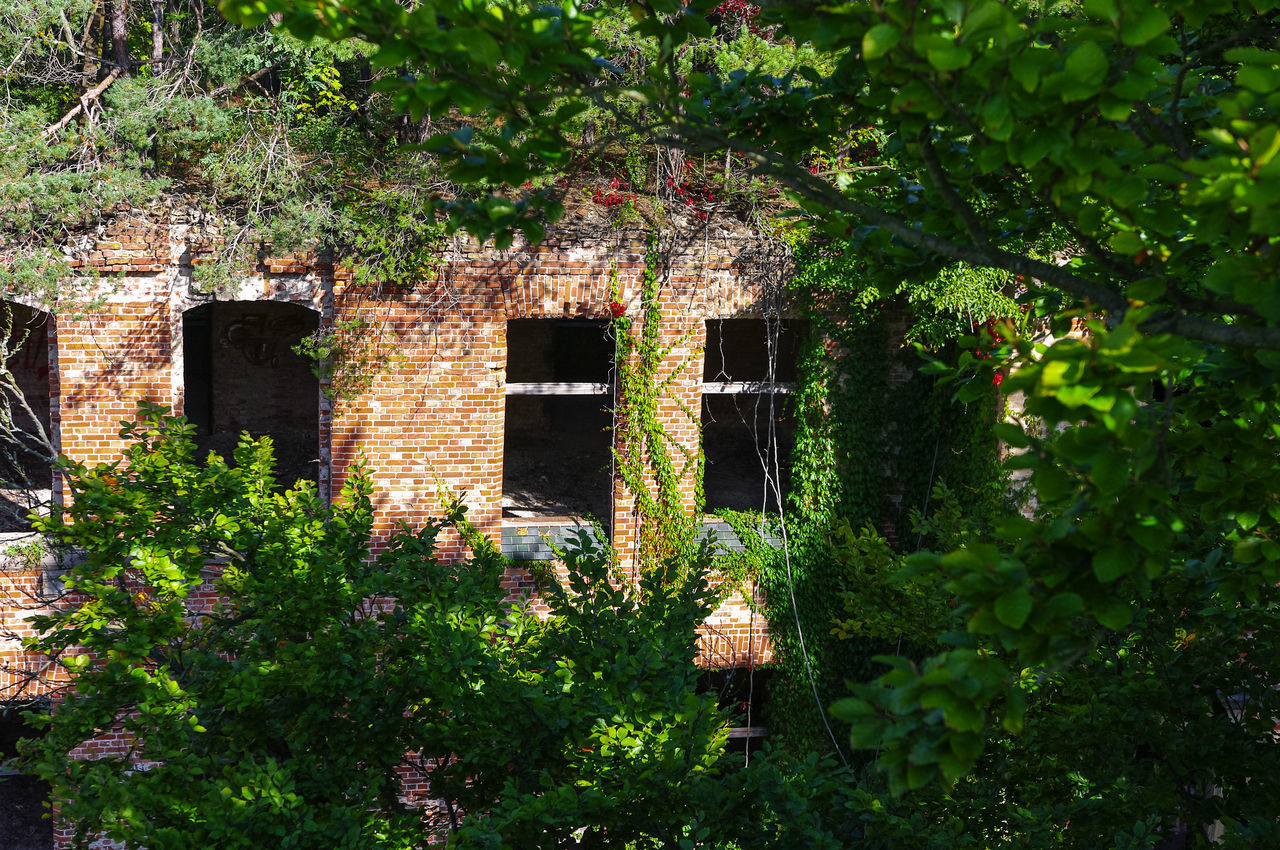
(558, 431)
(26, 435)
(241, 374)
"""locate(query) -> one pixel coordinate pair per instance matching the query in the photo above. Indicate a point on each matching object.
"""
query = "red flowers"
(736, 13)
(691, 195)
(617, 310)
(997, 378)
(611, 199)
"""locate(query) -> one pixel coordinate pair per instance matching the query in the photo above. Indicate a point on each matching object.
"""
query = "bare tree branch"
(251, 78)
(85, 99)
(1100, 296)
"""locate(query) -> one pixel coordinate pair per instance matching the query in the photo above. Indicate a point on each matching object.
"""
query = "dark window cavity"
(747, 423)
(22, 798)
(558, 433)
(26, 444)
(241, 374)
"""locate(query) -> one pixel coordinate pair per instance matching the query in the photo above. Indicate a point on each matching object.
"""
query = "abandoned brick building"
(494, 382)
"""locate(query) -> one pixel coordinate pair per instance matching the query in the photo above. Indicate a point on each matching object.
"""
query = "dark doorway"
(26, 446)
(23, 800)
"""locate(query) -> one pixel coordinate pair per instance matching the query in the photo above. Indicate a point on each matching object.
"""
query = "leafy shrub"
(277, 685)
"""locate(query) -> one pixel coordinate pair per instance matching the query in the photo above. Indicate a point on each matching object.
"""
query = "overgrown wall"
(429, 423)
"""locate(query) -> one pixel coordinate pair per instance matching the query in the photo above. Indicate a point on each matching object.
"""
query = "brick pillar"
(684, 333)
(682, 336)
(107, 362)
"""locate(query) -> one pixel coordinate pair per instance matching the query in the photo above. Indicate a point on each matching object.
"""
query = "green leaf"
(1052, 484)
(1126, 242)
(1107, 10)
(1258, 78)
(949, 57)
(1013, 607)
(1147, 289)
(1113, 562)
(479, 46)
(1012, 435)
(879, 40)
(1109, 472)
(1086, 68)
(1015, 710)
(1112, 614)
(1150, 23)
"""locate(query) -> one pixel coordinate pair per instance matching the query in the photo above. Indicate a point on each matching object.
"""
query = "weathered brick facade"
(430, 423)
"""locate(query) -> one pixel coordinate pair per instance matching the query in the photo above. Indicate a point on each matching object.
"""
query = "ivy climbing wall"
(415, 386)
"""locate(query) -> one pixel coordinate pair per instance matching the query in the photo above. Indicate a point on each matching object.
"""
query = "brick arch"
(309, 292)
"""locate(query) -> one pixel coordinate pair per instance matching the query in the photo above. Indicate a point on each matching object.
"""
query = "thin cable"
(924, 509)
(751, 673)
(772, 479)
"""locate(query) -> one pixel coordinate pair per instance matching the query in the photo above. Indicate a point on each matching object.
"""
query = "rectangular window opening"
(26, 469)
(741, 692)
(23, 799)
(241, 374)
(557, 450)
(748, 426)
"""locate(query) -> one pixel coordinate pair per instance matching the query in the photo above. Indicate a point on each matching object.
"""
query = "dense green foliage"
(1118, 159)
(1118, 127)
(284, 144)
(290, 705)
(1098, 672)
(869, 451)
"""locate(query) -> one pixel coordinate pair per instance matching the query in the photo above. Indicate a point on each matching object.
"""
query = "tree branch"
(949, 195)
(770, 164)
(85, 99)
(1171, 136)
(1218, 333)
(251, 78)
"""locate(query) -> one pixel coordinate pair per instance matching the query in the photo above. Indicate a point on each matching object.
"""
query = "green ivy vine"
(652, 464)
(875, 437)
(879, 444)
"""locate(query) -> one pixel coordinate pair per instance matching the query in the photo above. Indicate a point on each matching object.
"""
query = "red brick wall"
(23, 591)
(430, 422)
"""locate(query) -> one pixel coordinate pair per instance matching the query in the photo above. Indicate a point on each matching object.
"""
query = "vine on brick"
(652, 464)
(868, 455)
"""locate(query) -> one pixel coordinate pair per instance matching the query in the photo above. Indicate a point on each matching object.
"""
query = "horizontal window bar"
(710, 387)
(558, 388)
(729, 387)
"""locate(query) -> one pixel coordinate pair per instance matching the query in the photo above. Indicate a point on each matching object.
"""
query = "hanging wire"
(773, 478)
(770, 463)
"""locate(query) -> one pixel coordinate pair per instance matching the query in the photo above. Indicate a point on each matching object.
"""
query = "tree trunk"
(89, 46)
(120, 34)
(175, 31)
(157, 35)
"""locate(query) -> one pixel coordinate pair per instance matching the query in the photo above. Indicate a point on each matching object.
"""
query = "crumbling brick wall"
(429, 423)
